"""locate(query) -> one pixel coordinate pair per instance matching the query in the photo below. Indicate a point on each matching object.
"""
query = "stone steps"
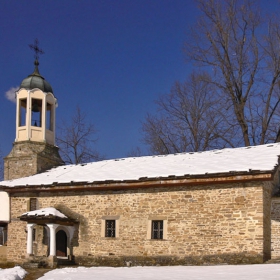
(35, 273)
(43, 262)
(273, 261)
(33, 265)
(65, 262)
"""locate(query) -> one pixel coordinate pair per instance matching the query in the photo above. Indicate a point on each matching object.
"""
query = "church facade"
(179, 221)
(217, 206)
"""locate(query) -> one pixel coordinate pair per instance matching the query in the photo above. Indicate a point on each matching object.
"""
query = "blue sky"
(113, 58)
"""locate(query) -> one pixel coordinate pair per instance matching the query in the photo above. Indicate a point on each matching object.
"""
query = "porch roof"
(46, 216)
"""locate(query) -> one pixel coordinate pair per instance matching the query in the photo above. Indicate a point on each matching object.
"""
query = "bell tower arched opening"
(35, 116)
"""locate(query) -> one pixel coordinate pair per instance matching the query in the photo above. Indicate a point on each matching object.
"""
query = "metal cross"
(36, 49)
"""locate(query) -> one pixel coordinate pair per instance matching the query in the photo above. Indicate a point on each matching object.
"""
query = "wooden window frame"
(110, 228)
(32, 201)
(104, 220)
(157, 229)
(152, 219)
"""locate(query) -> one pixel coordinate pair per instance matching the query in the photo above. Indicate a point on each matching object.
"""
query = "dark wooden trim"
(42, 220)
(171, 181)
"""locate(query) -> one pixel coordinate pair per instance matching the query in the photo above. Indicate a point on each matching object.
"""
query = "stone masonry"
(275, 227)
(218, 223)
(29, 158)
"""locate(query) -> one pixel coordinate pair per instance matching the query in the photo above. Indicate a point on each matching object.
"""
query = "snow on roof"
(245, 159)
(45, 212)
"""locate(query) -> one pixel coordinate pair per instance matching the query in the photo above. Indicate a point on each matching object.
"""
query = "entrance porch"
(51, 232)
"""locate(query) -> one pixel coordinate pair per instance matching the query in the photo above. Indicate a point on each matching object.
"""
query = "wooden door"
(61, 244)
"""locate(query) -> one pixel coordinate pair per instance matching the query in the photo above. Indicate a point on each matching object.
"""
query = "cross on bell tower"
(36, 49)
(37, 52)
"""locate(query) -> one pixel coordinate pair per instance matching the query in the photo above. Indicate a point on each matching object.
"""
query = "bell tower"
(35, 115)
(34, 148)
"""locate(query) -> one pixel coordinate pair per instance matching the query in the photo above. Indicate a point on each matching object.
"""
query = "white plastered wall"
(35, 133)
(4, 207)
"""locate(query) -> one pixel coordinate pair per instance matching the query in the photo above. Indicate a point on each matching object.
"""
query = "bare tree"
(237, 101)
(75, 140)
(190, 118)
(241, 53)
(135, 152)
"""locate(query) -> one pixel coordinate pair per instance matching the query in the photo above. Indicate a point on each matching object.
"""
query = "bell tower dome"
(36, 104)
(34, 148)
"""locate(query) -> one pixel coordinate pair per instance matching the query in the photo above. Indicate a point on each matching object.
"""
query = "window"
(157, 230)
(110, 228)
(3, 234)
(32, 204)
(34, 234)
(157, 227)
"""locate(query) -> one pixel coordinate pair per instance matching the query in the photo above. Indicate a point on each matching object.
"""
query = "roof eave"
(42, 220)
(206, 179)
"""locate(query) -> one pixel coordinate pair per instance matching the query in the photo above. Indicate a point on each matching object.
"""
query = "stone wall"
(29, 158)
(275, 227)
(3, 254)
(205, 224)
(267, 193)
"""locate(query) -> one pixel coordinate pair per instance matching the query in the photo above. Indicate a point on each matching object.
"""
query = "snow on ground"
(228, 272)
(16, 273)
(222, 272)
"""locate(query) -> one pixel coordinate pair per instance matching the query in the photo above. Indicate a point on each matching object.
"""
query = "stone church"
(219, 206)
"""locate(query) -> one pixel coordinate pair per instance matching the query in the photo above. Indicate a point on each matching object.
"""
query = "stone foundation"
(169, 260)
